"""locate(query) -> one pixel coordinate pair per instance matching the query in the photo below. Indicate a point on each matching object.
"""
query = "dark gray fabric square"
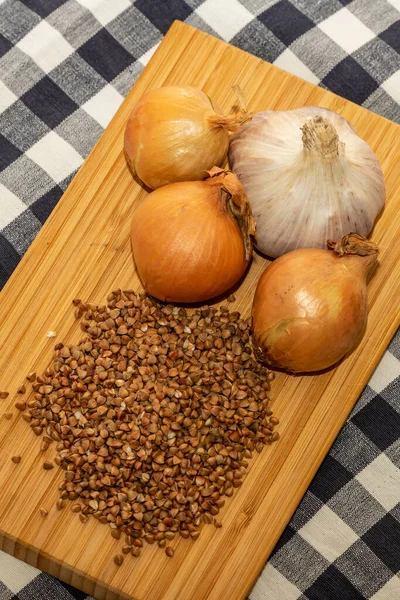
(16, 20)
(317, 11)
(22, 231)
(77, 79)
(19, 72)
(81, 131)
(377, 15)
(317, 51)
(356, 507)
(353, 449)
(381, 103)
(125, 80)
(300, 562)
(363, 569)
(76, 23)
(308, 507)
(21, 126)
(26, 180)
(378, 59)
(134, 31)
(258, 40)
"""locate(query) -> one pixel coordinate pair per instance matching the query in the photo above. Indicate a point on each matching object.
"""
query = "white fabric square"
(144, 59)
(391, 589)
(392, 86)
(55, 156)
(275, 584)
(289, 62)
(328, 534)
(105, 10)
(389, 367)
(10, 208)
(346, 30)
(395, 3)
(226, 17)
(7, 97)
(14, 573)
(381, 478)
(46, 46)
(103, 106)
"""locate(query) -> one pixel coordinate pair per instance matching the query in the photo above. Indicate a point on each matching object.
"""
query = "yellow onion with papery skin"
(177, 133)
(310, 305)
(191, 240)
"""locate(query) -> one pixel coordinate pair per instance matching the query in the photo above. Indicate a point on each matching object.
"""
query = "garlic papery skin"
(308, 177)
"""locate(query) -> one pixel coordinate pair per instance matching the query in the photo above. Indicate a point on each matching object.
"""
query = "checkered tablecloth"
(65, 67)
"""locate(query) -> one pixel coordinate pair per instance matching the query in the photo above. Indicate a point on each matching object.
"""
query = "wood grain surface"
(84, 251)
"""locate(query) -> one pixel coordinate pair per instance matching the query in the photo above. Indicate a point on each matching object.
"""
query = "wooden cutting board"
(84, 251)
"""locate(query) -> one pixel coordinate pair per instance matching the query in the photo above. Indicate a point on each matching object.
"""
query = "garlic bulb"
(308, 177)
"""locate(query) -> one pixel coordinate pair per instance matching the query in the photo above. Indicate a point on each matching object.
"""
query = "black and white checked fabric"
(65, 67)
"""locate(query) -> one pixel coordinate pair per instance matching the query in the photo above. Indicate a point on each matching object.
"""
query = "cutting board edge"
(56, 568)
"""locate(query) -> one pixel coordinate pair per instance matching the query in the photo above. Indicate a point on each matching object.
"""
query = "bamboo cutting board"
(84, 251)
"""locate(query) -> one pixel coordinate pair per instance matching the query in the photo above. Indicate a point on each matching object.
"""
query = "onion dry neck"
(233, 122)
(234, 198)
(356, 246)
(353, 243)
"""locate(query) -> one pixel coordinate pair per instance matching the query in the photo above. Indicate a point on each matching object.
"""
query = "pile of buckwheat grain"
(155, 413)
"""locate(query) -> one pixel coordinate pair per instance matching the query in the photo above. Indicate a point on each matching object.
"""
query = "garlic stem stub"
(191, 241)
(310, 305)
(177, 133)
(308, 176)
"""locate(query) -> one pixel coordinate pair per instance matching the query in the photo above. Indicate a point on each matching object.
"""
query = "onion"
(310, 306)
(177, 134)
(191, 240)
